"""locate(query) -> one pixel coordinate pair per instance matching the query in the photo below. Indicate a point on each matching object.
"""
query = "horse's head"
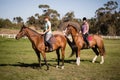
(69, 30)
(21, 33)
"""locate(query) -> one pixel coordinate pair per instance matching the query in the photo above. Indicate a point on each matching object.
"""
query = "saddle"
(86, 45)
(52, 40)
(49, 44)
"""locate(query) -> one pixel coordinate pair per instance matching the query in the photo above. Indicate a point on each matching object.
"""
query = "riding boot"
(50, 46)
(88, 46)
(50, 49)
(87, 42)
(46, 45)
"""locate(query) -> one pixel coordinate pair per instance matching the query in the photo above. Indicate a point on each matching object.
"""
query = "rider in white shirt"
(48, 32)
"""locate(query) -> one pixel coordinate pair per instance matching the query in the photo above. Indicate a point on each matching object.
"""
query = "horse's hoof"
(93, 61)
(47, 68)
(57, 66)
(78, 63)
(62, 67)
(40, 68)
(101, 62)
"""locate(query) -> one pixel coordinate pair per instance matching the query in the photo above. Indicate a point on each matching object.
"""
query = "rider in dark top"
(85, 30)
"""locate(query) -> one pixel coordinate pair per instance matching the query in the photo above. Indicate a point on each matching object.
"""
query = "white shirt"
(48, 24)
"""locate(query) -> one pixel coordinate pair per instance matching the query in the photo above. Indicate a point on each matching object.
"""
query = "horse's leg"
(78, 57)
(58, 57)
(102, 52)
(39, 58)
(96, 52)
(74, 50)
(44, 56)
(38, 54)
(63, 56)
(102, 60)
(72, 46)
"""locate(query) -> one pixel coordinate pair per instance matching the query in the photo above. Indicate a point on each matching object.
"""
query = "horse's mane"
(80, 34)
(31, 30)
(74, 27)
(74, 24)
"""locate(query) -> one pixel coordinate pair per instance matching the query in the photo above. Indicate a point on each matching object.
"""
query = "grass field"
(19, 62)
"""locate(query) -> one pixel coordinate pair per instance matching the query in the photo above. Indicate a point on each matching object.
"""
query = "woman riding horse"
(85, 30)
(96, 43)
(48, 33)
(38, 45)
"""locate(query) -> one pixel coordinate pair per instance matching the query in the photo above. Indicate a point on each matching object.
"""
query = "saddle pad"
(52, 40)
(89, 38)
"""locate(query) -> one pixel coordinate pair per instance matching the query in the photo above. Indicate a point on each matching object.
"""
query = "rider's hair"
(47, 17)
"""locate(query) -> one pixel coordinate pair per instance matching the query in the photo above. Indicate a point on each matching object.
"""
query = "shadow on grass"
(20, 64)
(36, 65)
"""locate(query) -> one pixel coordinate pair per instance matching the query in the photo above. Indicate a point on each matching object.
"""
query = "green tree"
(31, 20)
(69, 16)
(18, 19)
(53, 14)
(6, 23)
(44, 7)
(93, 28)
(106, 18)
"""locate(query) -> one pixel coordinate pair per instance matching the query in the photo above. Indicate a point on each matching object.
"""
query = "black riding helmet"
(84, 18)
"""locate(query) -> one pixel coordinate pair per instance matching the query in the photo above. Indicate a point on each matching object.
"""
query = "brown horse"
(95, 41)
(38, 45)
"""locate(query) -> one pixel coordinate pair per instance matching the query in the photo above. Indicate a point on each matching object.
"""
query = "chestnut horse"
(95, 42)
(38, 45)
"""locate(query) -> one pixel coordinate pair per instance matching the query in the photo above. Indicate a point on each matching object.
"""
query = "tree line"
(105, 22)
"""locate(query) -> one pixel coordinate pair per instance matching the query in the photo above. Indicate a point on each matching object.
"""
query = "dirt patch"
(8, 31)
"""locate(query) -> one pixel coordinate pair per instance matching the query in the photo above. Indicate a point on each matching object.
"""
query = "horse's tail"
(103, 48)
(100, 44)
(103, 52)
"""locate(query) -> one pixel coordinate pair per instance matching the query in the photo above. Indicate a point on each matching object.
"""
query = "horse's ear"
(23, 26)
(68, 25)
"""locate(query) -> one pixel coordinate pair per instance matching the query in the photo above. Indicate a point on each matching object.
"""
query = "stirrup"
(88, 46)
(50, 49)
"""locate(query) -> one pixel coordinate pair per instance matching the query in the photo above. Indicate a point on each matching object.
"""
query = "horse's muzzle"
(16, 37)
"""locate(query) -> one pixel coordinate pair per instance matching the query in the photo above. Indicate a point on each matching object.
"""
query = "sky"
(26, 8)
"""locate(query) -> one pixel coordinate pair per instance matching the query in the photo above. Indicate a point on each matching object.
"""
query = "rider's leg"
(50, 46)
(86, 39)
(48, 41)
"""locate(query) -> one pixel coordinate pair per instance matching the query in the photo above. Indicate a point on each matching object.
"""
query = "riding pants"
(47, 40)
(85, 37)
